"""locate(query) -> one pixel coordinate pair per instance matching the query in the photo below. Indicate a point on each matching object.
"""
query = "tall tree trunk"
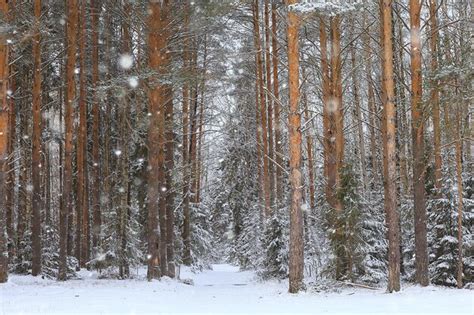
(123, 158)
(402, 128)
(270, 102)
(197, 197)
(336, 93)
(390, 164)
(459, 140)
(335, 141)
(36, 148)
(185, 145)
(12, 143)
(3, 144)
(325, 97)
(358, 113)
(277, 109)
(198, 162)
(82, 244)
(169, 165)
(12, 179)
(370, 100)
(66, 208)
(106, 200)
(296, 264)
(434, 97)
(96, 181)
(421, 249)
(263, 115)
(258, 134)
(309, 150)
(158, 58)
(192, 150)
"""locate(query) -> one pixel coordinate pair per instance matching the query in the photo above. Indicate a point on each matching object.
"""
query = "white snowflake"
(133, 82)
(125, 61)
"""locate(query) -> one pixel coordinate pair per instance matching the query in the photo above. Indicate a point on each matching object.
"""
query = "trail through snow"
(222, 290)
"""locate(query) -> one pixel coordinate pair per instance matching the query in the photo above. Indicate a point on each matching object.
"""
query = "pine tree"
(3, 143)
(296, 216)
(390, 166)
(418, 146)
(67, 207)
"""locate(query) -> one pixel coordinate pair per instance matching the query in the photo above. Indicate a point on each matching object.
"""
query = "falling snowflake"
(133, 82)
(126, 61)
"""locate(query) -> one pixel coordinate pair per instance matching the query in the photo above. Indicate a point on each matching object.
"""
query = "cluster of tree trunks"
(393, 165)
(82, 199)
(268, 106)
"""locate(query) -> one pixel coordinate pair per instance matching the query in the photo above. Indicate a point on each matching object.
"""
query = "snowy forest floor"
(224, 289)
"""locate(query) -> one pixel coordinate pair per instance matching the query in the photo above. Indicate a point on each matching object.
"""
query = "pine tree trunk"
(3, 144)
(421, 249)
(390, 163)
(371, 101)
(169, 165)
(157, 43)
(258, 134)
(263, 114)
(403, 126)
(185, 145)
(459, 276)
(325, 96)
(335, 139)
(277, 109)
(197, 197)
(36, 148)
(192, 153)
(296, 263)
(96, 179)
(106, 200)
(434, 97)
(336, 94)
(82, 244)
(123, 158)
(67, 207)
(22, 218)
(309, 151)
(358, 114)
(12, 143)
(200, 129)
(269, 96)
(12, 179)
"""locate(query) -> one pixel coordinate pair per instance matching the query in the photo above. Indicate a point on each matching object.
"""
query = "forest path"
(223, 290)
(223, 275)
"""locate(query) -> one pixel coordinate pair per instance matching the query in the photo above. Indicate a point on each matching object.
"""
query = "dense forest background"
(321, 139)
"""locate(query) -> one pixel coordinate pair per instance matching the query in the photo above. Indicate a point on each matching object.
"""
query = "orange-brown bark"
(158, 61)
(296, 263)
(67, 207)
(36, 146)
(421, 248)
(3, 143)
(434, 96)
(95, 178)
(390, 156)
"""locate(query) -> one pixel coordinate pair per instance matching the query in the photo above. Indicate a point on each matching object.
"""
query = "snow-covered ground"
(221, 290)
